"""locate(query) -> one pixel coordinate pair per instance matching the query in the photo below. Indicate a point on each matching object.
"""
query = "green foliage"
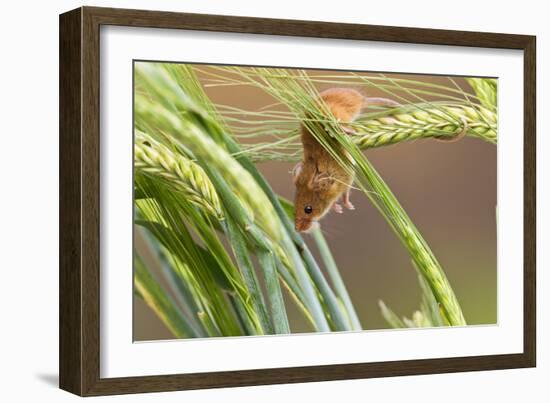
(148, 289)
(486, 91)
(225, 241)
(300, 95)
(429, 314)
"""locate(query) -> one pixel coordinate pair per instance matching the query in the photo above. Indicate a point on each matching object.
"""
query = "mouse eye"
(308, 209)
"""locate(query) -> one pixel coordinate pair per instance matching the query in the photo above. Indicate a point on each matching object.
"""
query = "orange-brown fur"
(320, 181)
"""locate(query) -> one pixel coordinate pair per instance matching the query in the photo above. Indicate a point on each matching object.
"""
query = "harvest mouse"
(320, 181)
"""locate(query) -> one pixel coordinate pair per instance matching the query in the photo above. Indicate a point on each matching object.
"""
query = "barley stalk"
(301, 96)
(425, 123)
(183, 175)
(486, 90)
(192, 132)
(434, 275)
(393, 128)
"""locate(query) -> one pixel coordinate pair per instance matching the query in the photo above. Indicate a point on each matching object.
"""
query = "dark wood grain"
(530, 202)
(90, 201)
(70, 185)
(80, 200)
(316, 29)
(305, 374)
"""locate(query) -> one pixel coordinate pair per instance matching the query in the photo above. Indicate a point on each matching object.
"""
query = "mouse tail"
(458, 135)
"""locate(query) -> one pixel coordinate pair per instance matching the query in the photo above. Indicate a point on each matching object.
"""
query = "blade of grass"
(178, 287)
(339, 286)
(391, 318)
(159, 301)
(312, 268)
(203, 147)
(278, 311)
(209, 273)
(241, 254)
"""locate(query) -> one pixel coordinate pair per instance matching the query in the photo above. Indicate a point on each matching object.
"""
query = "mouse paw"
(349, 205)
(346, 201)
(337, 208)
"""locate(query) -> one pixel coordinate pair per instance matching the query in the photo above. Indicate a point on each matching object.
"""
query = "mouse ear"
(296, 171)
(321, 182)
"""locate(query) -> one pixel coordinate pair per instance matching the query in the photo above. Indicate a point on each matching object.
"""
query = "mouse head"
(311, 201)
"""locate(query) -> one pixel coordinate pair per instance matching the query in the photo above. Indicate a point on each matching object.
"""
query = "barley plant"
(218, 252)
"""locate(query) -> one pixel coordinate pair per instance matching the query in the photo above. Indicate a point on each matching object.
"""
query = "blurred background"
(448, 189)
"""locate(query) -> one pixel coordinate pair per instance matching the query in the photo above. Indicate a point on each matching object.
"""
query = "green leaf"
(160, 302)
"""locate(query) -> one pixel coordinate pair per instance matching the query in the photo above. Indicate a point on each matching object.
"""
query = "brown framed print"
(249, 201)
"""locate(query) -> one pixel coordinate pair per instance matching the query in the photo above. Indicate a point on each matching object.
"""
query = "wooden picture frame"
(79, 200)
